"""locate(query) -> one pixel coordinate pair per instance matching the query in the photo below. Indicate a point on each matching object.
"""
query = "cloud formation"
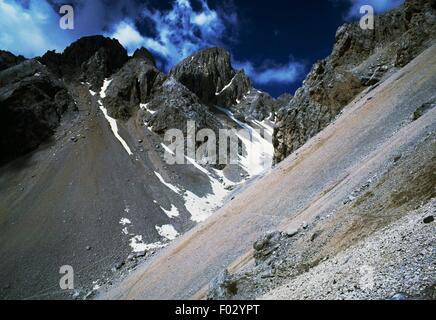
(283, 74)
(379, 6)
(178, 32)
(27, 30)
(182, 31)
(31, 27)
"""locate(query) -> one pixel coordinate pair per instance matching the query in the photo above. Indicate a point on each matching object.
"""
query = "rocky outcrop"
(89, 59)
(132, 85)
(32, 102)
(173, 105)
(284, 99)
(8, 60)
(255, 105)
(360, 58)
(210, 75)
(271, 253)
(234, 91)
(144, 54)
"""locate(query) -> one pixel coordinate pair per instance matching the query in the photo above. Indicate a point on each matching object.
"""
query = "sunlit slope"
(311, 182)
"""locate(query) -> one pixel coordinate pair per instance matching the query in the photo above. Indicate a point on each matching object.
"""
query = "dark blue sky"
(279, 30)
(275, 41)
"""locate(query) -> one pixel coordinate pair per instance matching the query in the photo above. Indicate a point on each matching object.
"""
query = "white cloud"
(180, 31)
(24, 30)
(283, 74)
(174, 34)
(379, 6)
(204, 19)
(127, 34)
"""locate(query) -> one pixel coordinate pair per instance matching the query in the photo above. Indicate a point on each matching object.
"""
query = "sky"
(275, 42)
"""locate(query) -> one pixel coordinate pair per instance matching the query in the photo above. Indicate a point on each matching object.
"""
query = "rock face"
(89, 59)
(8, 60)
(270, 251)
(144, 54)
(132, 85)
(172, 105)
(360, 58)
(234, 91)
(255, 105)
(210, 75)
(32, 102)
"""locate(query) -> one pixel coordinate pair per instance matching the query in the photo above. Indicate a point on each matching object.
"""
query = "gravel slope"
(311, 182)
(399, 258)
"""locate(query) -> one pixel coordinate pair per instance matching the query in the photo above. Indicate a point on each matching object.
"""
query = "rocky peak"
(131, 86)
(234, 91)
(144, 54)
(254, 105)
(172, 105)
(89, 59)
(85, 48)
(207, 73)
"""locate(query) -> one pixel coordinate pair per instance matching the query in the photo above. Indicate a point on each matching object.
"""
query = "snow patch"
(257, 158)
(125, 221)
(259, 152)
(137, 244)
(226, 86)
(172, 213)
(167, 231)
(167, 149)
(168, 185)
(144, 106)
(112, 122)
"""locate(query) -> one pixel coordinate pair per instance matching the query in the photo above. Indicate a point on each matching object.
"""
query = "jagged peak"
(144, 54)
(85, 47)
(208, 53)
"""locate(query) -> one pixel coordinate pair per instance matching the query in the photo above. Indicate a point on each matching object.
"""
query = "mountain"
(210, 75)
(349, 213)
(84, 176)
(90, 59)
(85, 179)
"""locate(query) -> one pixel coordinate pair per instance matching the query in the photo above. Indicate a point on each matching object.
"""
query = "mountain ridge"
(85, 181)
